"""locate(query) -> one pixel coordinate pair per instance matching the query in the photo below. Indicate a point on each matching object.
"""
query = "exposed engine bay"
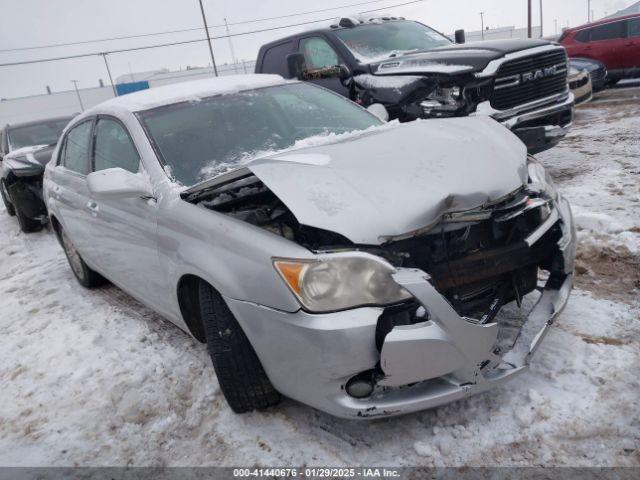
(479, 260)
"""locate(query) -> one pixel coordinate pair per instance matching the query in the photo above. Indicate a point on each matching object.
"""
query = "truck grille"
(529, 79)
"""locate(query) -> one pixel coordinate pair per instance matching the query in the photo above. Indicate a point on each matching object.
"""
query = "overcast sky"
(26, 23)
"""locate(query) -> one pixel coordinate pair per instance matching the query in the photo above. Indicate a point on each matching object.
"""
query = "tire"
(88, 278)
(612, 82)
(242, 379)
(7, 204)
(27, 224)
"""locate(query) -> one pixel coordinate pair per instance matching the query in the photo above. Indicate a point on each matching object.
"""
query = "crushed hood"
(397, 180)
(28, 159)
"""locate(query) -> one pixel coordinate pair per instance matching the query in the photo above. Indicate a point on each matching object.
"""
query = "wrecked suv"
(354, 265)
(25, 149)
(416, 72)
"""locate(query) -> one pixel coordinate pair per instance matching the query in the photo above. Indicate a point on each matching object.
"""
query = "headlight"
(340, 282)
(443, 101)
(539, 176)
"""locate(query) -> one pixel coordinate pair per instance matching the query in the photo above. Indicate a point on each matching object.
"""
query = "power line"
(184, 42)
(167, 32)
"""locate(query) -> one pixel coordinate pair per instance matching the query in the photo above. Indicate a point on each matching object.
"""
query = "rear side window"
(610, 31)
(275, 59)
(318, 53)
(583, 36)
(77, 146)
(114, 147)
(634, 27)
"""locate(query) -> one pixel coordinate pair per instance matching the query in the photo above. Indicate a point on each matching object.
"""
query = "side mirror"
(115, 183)
(460, 36)
(296, 65)
(379, 111)
(343, 72)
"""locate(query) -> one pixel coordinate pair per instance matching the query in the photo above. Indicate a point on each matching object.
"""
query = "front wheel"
(5, 199)
(242, 378)
(87, 277)
(27, 224)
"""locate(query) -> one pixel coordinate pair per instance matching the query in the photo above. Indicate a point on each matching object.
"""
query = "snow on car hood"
(397, 180)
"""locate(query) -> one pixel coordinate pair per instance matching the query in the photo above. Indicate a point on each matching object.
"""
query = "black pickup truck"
(416, 72)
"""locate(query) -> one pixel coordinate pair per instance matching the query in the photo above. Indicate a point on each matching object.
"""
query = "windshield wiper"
(396, 53)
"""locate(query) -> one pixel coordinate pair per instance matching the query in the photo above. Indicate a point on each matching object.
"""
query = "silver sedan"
(321, 253)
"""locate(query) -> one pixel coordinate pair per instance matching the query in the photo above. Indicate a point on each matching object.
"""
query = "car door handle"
(93, 208)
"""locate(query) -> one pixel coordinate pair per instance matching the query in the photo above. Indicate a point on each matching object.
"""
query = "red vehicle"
(613, 41)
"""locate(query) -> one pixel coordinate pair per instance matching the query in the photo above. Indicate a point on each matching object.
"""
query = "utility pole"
(589, 11)
(541, 27)
(233, 53)
(206, 29)
(106, 64)
(529, 32)
(556, 23)
(75, 84)
(482, 24)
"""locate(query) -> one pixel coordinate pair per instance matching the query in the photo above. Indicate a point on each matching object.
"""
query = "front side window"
(583, 36)
(45, 133)
(114, 147)
(380, 41)
(77, 148)
(275, 59)
(633, 26)
(610, 31)
(318, 53)
(198, 140)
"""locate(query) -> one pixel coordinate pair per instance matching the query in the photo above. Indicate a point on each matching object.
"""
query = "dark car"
(612, 41)
(596, 70)
(25, 149)
(416, 72)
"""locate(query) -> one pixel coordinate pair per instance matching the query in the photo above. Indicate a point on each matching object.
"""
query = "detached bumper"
(312, 357)
(540, 125)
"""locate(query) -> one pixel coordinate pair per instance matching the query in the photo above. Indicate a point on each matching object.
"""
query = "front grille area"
(488, 259)
(515, 87)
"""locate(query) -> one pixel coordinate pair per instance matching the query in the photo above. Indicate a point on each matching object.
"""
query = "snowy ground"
(92, 378)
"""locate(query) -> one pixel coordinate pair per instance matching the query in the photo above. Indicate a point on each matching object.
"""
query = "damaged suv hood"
(454, 59)
(396, 180)
(27, 160)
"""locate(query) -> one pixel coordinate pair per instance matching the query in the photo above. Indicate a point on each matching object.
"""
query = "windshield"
(45, 133)
(198, 140)
(379, 41)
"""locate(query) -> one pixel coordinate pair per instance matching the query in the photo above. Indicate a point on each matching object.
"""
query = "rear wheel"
(5, 199)
(87, 277)
(241, 376)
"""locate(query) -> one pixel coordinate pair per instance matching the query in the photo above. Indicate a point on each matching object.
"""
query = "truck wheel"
(87, 277)
(242, 379)
(5, 199)
(27, 224)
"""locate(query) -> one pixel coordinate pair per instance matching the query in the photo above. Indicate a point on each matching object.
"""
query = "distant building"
(58, 104)
(501, 33)
(635, 8)
(140, 81)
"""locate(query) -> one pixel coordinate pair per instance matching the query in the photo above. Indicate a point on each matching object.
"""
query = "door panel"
(126, 229)
(608, 45)
(632, 46)
(70, 187)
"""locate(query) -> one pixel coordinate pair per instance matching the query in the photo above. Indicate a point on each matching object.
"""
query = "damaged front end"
(445, 339)
(22, 186)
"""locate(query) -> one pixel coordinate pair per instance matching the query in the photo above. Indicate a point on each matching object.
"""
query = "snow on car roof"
(189, 91)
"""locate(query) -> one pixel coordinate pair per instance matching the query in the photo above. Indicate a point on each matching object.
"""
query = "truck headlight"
(340, 282)
(443, 101)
